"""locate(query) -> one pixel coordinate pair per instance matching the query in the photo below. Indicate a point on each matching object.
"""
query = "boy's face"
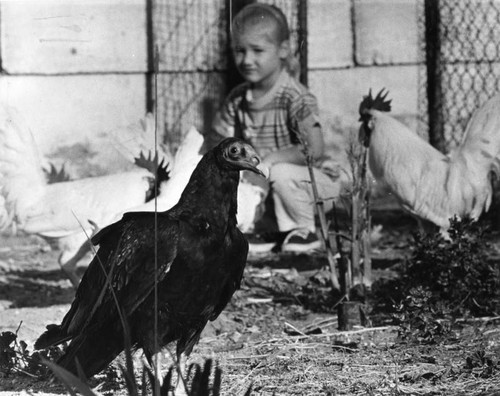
(258, 56)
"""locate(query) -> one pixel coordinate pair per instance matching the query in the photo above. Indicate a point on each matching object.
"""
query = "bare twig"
(320, 211)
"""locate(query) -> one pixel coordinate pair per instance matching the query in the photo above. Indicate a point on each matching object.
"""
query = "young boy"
(276, 114)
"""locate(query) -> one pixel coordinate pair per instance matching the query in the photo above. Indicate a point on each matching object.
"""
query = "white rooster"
(62, 212)
(427, 183)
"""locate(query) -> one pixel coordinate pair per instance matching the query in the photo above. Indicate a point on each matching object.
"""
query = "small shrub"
(457, 271)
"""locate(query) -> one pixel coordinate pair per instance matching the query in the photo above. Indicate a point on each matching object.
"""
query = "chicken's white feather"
(58, 212)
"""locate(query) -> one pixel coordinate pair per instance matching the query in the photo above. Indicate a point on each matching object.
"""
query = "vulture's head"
(235, 154)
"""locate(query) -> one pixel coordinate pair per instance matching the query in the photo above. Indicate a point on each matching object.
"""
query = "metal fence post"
(434, 70)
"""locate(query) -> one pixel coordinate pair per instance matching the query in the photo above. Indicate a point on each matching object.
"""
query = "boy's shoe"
(301, 240)
(258, 245)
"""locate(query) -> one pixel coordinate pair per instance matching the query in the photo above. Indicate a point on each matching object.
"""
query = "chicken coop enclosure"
(460, 48)
(195, 70)
(459, 53)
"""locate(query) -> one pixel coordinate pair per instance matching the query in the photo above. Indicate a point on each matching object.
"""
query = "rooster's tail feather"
(481, 140)
(5, 215)
(140, 137)
(20, 165)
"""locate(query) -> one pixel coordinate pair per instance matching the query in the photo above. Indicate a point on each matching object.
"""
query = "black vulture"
(199, 262)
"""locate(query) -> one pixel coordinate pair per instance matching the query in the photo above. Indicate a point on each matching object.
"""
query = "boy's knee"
(281, 172)
(286, 179)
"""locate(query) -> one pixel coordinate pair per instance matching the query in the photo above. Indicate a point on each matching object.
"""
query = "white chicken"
(61, 212)
(427, 183)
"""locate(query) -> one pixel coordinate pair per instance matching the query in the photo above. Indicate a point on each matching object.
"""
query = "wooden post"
(150, 48)
(302, 41)
(349, 314)
(434, 72)
(233, 76)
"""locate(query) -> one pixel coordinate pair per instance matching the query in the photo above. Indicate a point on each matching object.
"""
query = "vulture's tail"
(94, 352)
(54, 335)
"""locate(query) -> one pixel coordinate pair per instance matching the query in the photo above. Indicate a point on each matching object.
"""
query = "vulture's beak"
(262, 170)
(258, 167)
(244, 156)
(253, 164)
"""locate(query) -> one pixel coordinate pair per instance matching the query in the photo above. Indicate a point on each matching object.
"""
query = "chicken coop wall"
(78, 69)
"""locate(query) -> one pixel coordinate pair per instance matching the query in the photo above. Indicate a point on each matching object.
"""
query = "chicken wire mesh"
(192, 41)
(465, 66)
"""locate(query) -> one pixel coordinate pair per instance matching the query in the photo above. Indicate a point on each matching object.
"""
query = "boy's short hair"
(257, 13)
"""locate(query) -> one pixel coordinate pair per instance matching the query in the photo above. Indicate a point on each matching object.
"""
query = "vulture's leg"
(156, 366)
(180, 388)
(154, 361)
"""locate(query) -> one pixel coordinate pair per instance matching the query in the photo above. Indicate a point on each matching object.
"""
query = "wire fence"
(467, 62)
(193, 43)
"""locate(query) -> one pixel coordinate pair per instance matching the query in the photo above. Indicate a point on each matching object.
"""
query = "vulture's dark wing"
(236, 257)
(126, 259)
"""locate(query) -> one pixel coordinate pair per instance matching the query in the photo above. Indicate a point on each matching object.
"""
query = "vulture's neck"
(211, 194)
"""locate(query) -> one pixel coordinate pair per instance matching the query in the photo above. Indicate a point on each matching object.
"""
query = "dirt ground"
(279, 334)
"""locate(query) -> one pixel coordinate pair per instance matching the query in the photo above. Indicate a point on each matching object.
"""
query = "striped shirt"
(272, 122)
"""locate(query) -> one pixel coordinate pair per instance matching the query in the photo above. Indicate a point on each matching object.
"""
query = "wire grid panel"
(192, 40)
(470, 54)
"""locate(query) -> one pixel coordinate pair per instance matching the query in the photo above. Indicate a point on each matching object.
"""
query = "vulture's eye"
(234, 150)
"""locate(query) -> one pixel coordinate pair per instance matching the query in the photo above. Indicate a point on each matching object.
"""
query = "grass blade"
(69, 380)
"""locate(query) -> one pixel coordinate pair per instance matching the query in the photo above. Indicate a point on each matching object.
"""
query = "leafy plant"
(421, 319)
(447, 277)
(8, 355)
(456, 271)
(482, 364)
(16, 357)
